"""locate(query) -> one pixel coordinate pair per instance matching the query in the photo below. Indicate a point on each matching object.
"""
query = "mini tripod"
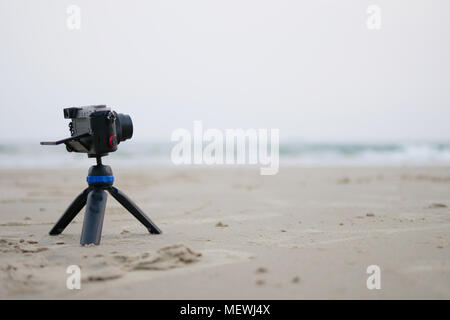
(99, 179)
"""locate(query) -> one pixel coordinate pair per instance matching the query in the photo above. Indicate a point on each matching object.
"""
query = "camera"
(95, 130)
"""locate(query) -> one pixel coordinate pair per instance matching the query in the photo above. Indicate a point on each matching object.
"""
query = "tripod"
(99, 179)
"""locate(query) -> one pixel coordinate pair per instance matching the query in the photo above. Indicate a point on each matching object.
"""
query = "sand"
(230, 233)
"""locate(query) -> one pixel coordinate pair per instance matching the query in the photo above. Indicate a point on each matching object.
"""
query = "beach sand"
(229, 233)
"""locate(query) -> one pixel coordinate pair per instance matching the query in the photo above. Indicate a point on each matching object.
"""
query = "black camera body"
(95, 130)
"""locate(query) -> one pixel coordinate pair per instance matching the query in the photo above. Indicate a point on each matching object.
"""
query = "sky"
(312, 69)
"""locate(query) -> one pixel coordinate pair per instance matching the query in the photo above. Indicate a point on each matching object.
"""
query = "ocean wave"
(293, 153)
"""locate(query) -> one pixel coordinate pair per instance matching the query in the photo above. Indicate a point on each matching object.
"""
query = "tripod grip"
(93, 218)
(134, 210)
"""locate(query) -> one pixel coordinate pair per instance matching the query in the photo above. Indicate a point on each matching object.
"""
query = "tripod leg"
(134, 210)
(93, 218)
(70, 213)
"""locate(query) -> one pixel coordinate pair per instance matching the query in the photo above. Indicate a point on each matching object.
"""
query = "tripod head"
(100, 175)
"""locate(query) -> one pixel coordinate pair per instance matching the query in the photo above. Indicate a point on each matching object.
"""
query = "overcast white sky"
(310, 68)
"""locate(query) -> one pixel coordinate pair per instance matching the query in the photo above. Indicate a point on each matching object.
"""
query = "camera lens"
(124, 127)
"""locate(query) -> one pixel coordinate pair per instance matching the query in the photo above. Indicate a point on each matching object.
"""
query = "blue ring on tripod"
(100, 179)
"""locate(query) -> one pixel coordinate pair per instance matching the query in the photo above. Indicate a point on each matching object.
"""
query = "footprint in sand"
(437, 206)
(20, 246)
(165, 258)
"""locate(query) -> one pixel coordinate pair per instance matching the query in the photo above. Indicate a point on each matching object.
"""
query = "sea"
(293, 153)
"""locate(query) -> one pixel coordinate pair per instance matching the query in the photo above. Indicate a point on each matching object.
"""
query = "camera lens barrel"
(124, 126)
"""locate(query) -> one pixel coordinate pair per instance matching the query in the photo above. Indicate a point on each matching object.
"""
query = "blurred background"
(339, 91)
